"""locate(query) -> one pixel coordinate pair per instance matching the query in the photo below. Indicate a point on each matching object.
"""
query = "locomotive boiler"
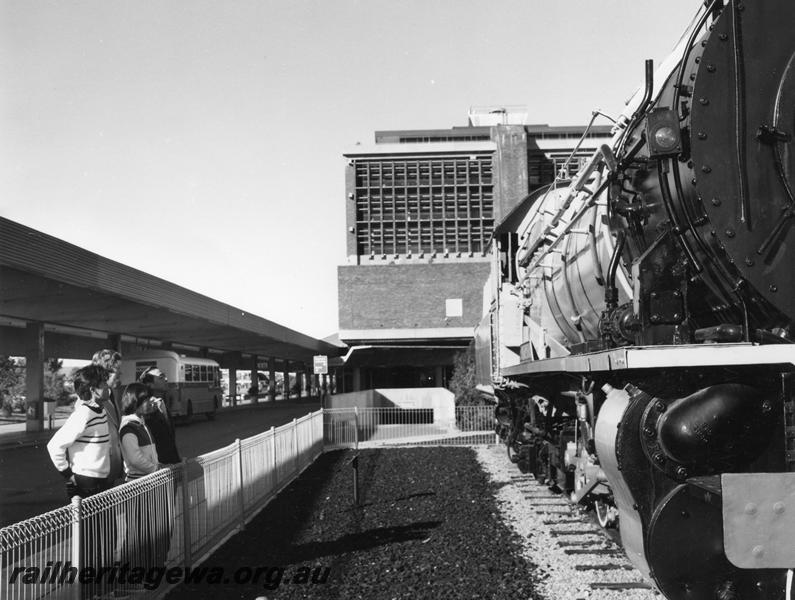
(640, 337)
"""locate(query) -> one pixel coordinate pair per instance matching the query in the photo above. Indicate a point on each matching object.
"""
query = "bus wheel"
(211, 414)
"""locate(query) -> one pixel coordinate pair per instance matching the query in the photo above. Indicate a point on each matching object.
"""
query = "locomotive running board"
(653, 357)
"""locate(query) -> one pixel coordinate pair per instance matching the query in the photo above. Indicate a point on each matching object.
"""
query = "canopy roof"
(45, 279)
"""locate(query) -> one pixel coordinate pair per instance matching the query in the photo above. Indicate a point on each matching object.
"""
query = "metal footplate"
(759, 519)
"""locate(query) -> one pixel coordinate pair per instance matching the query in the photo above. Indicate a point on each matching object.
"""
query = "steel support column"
(299, 383)
(255, 378)
(286, 386)
(272, 378)
(233, 385)
(357, 380)
(114, 342)
(34, 376)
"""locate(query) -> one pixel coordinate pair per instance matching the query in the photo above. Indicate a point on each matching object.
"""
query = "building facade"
(421, 206)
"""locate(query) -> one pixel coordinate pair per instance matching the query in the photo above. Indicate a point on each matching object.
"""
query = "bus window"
(217, 376)
(194, 386)
(143, 365)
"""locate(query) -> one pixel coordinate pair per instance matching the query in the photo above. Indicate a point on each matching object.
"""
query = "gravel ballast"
(549, 527)
(428, 526)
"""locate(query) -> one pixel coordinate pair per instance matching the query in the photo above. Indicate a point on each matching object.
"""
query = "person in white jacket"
(137, 444)
(80, 449)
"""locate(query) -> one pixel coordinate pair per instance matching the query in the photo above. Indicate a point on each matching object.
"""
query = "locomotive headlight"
(663, 133)
(665, 137)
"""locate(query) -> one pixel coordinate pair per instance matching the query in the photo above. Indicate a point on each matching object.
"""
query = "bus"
(193, 384)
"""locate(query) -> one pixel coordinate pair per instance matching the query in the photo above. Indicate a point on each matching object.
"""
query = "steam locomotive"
(640, 335)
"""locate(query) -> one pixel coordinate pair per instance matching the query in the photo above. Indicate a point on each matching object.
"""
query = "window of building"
(424, 205)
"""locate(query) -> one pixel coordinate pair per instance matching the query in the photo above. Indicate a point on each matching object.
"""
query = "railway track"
(575, 558)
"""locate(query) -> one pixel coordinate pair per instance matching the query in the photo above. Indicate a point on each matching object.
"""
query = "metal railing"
(175, 517)
(392, 426)
(178, 516)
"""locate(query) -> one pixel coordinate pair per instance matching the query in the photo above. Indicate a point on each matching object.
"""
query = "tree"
(12, 382)
(463, 384)
(463, 381)
(54, 379)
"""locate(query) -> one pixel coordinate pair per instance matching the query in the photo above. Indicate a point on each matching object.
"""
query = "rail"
(175, 518)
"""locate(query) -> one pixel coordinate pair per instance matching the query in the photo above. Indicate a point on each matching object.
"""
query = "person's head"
(91, 382)
(135, 399)
(153, 378)
(110, 360)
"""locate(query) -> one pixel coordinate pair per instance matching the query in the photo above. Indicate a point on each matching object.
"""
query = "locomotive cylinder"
(718, 427)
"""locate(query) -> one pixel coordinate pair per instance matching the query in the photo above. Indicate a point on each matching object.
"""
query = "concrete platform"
(14, 435)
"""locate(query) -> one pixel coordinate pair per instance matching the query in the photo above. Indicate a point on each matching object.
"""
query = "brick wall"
(410, 296)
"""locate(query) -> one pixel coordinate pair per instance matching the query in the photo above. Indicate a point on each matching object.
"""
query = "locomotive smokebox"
(717, 427)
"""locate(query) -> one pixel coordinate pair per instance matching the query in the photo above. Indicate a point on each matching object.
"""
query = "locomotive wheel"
(606, 514)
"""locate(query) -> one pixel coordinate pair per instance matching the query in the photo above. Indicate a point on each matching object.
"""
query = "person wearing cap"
(161, 426)
(159, 421)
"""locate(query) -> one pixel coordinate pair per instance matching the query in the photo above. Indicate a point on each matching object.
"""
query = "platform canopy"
(391, 355)
(78, 295)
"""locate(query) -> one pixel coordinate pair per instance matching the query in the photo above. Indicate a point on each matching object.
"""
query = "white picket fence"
(178, 516)
(381, 426)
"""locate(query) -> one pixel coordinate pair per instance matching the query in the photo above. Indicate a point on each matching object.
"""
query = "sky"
(201, 141)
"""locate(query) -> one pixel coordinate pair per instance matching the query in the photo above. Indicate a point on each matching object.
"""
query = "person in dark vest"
(159, 420)
(148, 525)
(137, 442)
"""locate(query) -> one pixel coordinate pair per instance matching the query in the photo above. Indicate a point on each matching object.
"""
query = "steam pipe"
(644, 103)
(611, 292)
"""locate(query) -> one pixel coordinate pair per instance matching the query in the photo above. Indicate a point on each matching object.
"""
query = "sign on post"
(321, 364)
